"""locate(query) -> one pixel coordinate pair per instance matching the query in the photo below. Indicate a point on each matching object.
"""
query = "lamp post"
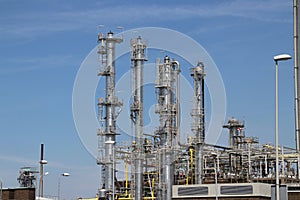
(65, 174)
(277, 58)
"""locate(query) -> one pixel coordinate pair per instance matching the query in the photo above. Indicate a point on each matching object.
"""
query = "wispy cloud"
(35, 23)
(19, 65)
(16, 159)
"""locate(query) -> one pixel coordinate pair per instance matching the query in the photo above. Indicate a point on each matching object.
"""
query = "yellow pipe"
(126, 178)
(192, 163)
(152, 192)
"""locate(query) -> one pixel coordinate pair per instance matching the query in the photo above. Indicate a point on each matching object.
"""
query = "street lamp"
(65, 174)
(277, 58)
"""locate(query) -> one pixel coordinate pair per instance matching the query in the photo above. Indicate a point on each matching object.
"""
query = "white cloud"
(36, 23)
(18, 65)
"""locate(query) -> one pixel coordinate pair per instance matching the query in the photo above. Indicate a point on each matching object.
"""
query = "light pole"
(65, 174)
(277, 58)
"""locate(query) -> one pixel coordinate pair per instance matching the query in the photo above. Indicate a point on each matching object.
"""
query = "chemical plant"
(159, 165)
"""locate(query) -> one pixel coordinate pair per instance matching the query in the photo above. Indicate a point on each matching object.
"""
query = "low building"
(21, 193)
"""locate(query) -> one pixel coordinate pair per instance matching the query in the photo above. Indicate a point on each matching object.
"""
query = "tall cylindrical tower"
(138, 57)
(198, 114)
(167, 109)
(107, 136)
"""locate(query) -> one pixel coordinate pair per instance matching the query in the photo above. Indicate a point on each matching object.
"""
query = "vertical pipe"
(249, 161)
(178, 113)
(266, 165)
(216, 180)
(110, 126)
(138, 56)
(260, 168)
(230, 171)
(126, 178)
(297, 82)
(113, 169)
(282, 161)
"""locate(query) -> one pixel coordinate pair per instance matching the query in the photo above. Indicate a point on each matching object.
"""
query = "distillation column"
(167, 110)
(235, 128)
(138, 56)
(198, 114)
(235, 140)
(106, 51)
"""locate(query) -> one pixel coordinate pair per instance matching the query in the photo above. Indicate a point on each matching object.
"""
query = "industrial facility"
(159, 165)
(167, 164)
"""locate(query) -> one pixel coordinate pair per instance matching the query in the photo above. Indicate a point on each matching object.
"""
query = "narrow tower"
(167, 110)
(42, 163)
(296, 79)
(138, 57)
(235, 128)
(198, 114)
(107, 135)
(235, 142)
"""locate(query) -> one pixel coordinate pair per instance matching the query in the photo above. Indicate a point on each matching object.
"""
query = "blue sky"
(43, 44)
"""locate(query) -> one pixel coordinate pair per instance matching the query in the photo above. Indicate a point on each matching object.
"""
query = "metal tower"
(296, 78)
(138, 55)
(107, 135)
(235, 142)
(27, 177)
(167, 96)
(198, 114)
(235, 128)
(42, 163)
